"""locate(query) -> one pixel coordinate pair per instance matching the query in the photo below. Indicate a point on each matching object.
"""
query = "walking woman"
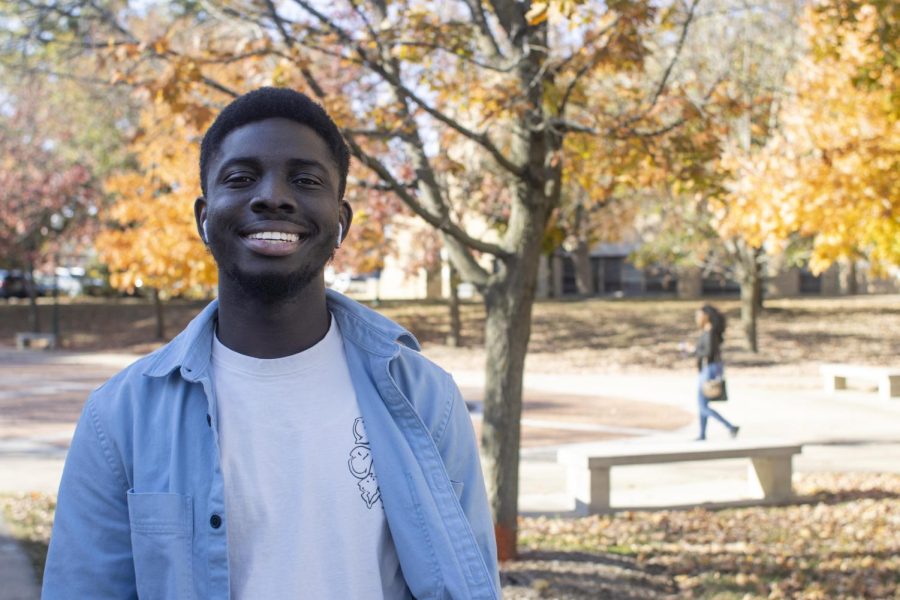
(708, 352)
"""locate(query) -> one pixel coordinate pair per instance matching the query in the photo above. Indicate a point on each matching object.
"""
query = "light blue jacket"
(142, 487)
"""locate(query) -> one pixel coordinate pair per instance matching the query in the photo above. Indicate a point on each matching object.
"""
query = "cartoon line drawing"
(360, 464)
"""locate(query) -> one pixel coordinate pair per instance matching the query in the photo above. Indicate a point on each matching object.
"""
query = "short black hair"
(274, 103)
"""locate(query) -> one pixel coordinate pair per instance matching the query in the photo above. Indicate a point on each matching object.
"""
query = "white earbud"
(205, 233)
(340, 235)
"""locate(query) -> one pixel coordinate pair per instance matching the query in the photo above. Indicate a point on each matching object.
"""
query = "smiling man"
(289, 443)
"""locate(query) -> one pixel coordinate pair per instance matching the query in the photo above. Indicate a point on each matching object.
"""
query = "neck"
(263, 329)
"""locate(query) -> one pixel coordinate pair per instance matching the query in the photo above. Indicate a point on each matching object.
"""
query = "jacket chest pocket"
(161, 532)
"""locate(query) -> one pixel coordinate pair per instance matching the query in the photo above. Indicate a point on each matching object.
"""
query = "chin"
(271, 287)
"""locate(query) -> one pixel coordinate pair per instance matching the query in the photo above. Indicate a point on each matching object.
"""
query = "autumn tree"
(508, 77)
(743, 51)
(45, 200)
(831, 173)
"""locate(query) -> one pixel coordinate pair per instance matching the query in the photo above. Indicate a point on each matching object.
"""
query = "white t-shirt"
(303, 511)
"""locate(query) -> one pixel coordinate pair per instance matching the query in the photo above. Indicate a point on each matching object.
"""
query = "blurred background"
(587, 172)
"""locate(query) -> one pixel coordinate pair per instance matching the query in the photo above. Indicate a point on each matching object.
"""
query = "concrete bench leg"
(833, 383)
(889, 387)
(590, 488)
(771, 477)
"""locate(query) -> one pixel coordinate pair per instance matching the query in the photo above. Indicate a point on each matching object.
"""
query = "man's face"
(272, 210)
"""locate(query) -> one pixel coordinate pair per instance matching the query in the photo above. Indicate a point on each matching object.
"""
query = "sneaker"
(734, 431)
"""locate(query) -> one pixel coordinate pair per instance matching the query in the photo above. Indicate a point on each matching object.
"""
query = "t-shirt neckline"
(313, 357)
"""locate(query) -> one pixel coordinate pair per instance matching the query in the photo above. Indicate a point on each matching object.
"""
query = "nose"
(273, 195)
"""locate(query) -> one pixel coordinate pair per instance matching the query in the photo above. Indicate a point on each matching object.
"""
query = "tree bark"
(454, 338)
(508, 304)
(750, 293)
(583, 276)
(34, 316)
(758, 295)
(160, 315)
(849, 285)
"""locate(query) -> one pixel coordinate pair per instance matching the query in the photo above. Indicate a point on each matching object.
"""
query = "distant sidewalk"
(17, 580)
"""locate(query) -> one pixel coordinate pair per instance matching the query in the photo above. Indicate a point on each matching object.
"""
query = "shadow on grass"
(583, 575)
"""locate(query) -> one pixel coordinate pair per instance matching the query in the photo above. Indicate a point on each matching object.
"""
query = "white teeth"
(276, 236)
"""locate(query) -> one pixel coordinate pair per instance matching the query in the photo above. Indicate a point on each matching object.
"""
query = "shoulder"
(413, 371)
(127, 393)
(429, 388)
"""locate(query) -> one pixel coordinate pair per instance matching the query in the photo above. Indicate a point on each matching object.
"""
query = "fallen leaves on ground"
(30, 519)
(842, 540)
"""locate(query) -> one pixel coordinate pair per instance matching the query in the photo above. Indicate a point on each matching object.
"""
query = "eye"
(306, 180)
(239, 178)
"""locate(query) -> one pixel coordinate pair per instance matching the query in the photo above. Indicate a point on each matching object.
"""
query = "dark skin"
(272, 212)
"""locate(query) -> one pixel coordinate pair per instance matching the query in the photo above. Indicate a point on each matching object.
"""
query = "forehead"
(275, 139)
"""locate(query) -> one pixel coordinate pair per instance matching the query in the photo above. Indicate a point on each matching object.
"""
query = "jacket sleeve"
(90, 546)
(704, 349)
(459, 450)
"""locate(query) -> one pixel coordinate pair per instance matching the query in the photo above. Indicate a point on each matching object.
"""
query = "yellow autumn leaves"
(830, 173)
(151, 238)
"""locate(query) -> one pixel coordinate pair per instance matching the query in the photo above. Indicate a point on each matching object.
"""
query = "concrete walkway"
(17, 580)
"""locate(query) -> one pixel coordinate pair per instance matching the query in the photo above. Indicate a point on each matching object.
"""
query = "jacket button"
(215, 521)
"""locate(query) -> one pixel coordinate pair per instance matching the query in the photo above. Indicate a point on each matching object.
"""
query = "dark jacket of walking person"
(708, 351)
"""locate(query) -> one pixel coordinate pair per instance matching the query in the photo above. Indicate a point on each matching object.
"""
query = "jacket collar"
(190, 350)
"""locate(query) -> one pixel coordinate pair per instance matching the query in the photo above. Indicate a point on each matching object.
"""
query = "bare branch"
(381, 187)
(209, 82)
(480, 138)
(476, 9)
(585, 68)
(661, 86)
(455, 54)
(439, 222)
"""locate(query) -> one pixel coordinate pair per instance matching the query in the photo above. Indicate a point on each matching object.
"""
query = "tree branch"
(439, 222)
(661, 86)
(476, 9)
(480, 138)
(585, 68)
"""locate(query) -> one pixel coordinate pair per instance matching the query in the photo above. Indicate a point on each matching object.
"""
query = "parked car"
(13, 284)
(70, 281)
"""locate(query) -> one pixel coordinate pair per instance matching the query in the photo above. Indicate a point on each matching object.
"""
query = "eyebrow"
(255, 162)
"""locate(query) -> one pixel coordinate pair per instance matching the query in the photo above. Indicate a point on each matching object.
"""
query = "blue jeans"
(709, 371)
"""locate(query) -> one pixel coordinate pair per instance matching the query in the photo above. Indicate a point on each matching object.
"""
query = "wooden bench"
(588, 466)
(887, 379)
(27, 339)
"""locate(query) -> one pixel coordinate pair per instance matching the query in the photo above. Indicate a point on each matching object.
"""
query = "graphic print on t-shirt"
(360, 464)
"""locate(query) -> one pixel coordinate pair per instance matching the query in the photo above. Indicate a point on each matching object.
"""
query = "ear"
(346, 217)
(200, 215)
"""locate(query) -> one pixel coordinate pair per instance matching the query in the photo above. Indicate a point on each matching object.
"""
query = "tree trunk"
(34, 316)
(583, 276)
(507, 329)
(160, 316)
(848, 281)
(454, 338)
(758, 295)
(750, 292)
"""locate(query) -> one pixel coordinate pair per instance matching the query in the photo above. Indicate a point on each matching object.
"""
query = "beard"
(274, 287)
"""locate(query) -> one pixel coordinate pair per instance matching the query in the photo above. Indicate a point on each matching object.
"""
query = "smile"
(274, 236)
(274, 243)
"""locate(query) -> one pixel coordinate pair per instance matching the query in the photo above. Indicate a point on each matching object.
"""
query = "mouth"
(274, 243)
